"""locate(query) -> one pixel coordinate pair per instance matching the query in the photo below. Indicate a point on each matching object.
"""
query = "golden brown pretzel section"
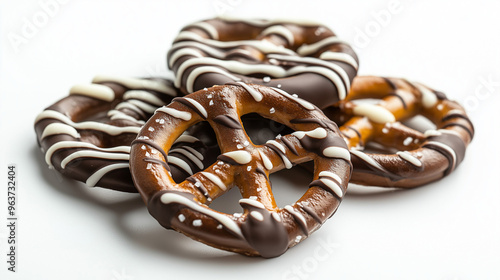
(300, 57)
(411, 158)
(263, 228)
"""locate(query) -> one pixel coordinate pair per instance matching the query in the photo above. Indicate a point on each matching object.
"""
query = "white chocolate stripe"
(207, 27)
(241, 157)
(312, 48)
(198, 106)
(342, 57)
(342, 87)
(180, 163)
(263, 46)
(186, 116)
(337, 152)
(374, 113)
(215, 179)
(331, 175)
(143, 96)
(446, 148)
(93, 154)
(429, 99)
(277, 145)
(333, 186)
(300, 101)
(94, 178)
(189, 155)
(119, 115)
(259, 22)
(133, 83)
(257, 96)
(297, 215)
(93, 90)
(182, 52)
(266, 161)
(106, 128)
(194, 152)
(409, 158)
(279, 30)
(126, 105)
(338, 71)
(193, 46)
(318, 133)
(284, 158)
(205, 69)
(143, 106)
(168, 198)
(77, 144)
(186, 138)
(251, 202)
(369, 160)
(59, 128)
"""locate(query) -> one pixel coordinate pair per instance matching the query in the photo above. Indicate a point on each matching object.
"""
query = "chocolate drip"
(290, 145)
(390, 83)
(164, 213)
(322, 122)
(311, 213)
(269, 237)
(183, 101)
(261, 171)
(356, 131)
(228, 121)
(460, 116)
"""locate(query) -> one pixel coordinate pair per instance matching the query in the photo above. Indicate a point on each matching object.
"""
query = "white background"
(445, 230)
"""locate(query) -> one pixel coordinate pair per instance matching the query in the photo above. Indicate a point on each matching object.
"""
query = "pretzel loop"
(410, 158)
(263, 228)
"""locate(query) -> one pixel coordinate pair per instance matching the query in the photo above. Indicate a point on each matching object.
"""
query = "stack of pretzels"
(185, 142)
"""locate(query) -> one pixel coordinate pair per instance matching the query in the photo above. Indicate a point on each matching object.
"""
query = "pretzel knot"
(300, 57)
(410, 158)
(263, 229)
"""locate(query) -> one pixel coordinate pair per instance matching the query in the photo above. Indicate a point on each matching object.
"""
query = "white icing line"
(59, 128)
(180, 163)
(207, 27)
(277, 145)
(186, 138)
(168, 198)
(342, 57)
(300, 101)
(94, 178)
(312, 48)
(337, 152)
(318, 133)
(192, 46)
(109, 129)
(431, 132)
(280, 30)
(332, 185)
(252, 202)
(241, 157)
(94, 90)
(447, 148)
(429, 99)
(93, 154)
(194, 152)
(374, 112)
(266, 161)
(409, 158)
(201, 70)
(257, 96)
(296, 214)
(189, 155)
(331, 175)
(144, 96)
(368, 160)
(145, 107)
(134, 83)
(215, 179)
(77, 144)
(119, 115)
(262, 23)
(186, 116)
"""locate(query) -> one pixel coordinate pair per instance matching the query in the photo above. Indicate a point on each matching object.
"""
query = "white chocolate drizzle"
(279, 30)
(134, 83)
(281, 148)
(215, 179)
(337, 152)
(266, 161)
(318, 133)
(198, 106)
(58, 129)
(241, 157)
(185, 116)
(94, 178)
(374, 113)
(93, 90)
(429, 99)
(257, 96)
(409, 158)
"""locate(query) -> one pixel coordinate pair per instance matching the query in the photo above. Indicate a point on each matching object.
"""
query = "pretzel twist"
(411, 158)
(263, 229)
(86, 135)
(302, 58)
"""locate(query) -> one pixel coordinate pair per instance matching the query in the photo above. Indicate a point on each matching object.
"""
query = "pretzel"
(419, 158)
(300, 57)
(86, 135)
(263, 228)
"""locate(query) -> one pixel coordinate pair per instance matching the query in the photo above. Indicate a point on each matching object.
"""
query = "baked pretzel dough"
(263, 229)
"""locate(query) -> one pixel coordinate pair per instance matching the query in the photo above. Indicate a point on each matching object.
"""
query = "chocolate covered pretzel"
(263, 228)
(300, 57)
(409, 157)
(86, 135)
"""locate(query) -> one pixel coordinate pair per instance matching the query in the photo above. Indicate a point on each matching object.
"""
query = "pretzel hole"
(261, 129)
